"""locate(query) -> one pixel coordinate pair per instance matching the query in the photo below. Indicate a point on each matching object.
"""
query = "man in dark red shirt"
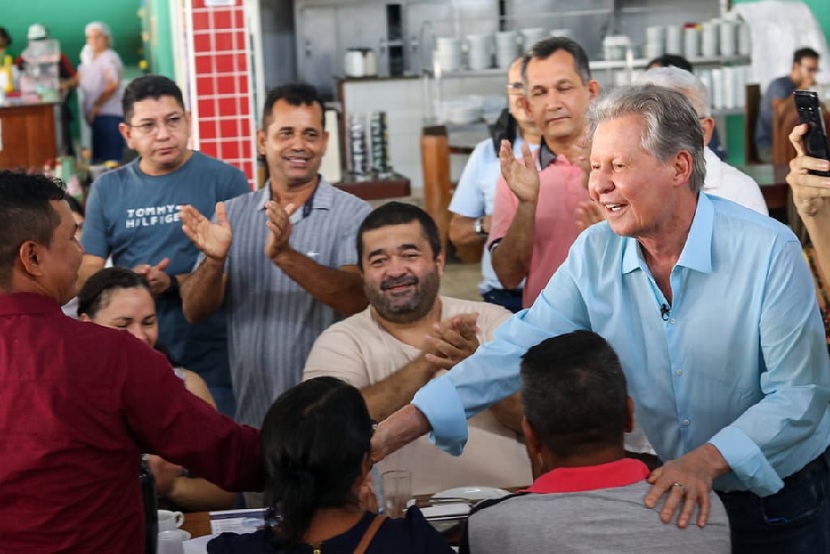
(79, 402)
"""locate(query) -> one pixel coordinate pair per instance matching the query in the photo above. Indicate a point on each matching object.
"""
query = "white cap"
(37, 32)
(98, 26)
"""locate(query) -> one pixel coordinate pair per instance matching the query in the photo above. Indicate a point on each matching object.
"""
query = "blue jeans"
(225, 402)
(507, 298)
(107, 142)
(794, 520)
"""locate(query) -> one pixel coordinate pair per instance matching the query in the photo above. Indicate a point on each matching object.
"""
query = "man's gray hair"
(683, 82)
(670, 123)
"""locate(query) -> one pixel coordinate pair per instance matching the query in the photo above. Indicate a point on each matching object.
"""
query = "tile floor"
(461, 280)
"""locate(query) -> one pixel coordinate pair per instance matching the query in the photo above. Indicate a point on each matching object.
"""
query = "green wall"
(66, 19)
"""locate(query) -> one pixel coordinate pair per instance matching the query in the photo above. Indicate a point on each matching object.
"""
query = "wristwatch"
(478, 227)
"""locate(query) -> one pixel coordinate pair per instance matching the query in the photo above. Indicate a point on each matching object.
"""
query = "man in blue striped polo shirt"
(282, 259)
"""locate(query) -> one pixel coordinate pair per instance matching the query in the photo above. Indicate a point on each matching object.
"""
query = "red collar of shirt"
(614, 474)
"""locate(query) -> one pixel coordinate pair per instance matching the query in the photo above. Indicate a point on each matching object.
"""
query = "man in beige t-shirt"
(408, 336)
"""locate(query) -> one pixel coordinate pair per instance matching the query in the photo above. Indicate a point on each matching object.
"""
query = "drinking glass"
(397, 489)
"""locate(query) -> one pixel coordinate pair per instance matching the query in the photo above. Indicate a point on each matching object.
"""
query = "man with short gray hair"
(711, 310)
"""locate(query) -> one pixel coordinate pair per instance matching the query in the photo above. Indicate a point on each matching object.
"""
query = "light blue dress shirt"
(475, 193)
(740, 360)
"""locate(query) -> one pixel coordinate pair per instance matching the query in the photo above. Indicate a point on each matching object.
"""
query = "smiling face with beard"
(401, 274)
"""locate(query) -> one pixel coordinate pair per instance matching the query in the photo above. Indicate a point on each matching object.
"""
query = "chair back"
(752, 94)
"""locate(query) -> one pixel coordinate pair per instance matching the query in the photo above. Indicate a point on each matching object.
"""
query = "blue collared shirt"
(475, 193)
(740, 360)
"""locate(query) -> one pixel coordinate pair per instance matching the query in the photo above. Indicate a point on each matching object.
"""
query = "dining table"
(198, 523)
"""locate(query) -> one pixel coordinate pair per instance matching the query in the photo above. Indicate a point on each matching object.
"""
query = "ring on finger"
(677, 484)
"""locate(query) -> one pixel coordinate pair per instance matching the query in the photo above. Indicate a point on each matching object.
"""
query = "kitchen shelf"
(599, 65)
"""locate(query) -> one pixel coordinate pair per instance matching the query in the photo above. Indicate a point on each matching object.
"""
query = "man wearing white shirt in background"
(472, 201)
(721, 178)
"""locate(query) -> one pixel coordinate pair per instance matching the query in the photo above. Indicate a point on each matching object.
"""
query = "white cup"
(691, 43)
(479, 52)
(170, 521)
(744, 39)
(709, 39)
(673, 33)
(170, 542)
(531, 36)
(728, 42)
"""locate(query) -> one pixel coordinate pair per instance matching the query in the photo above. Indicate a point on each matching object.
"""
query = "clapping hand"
(452, 341)
(588, 212)
(214, 239)
(521, 175)
(279, 224)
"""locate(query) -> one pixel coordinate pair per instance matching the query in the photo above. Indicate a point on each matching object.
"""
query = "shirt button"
(685, 423)
(679, 372)
(672, 321)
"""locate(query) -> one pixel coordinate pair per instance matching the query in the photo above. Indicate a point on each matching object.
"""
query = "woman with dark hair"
(315, 442)
(119, 298)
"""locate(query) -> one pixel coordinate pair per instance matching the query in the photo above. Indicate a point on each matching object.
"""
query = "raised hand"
(279, 224)
(811, 193)
(588, 212)
(214, 239)
(521, 175)
(158, 280)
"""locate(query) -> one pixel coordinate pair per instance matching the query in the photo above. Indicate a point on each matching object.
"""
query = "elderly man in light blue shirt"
(712, 311)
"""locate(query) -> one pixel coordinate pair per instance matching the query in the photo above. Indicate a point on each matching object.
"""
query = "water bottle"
(148, 498)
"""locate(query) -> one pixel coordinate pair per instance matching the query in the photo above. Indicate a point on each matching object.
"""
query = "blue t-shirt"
(778, 89)
(134, 218)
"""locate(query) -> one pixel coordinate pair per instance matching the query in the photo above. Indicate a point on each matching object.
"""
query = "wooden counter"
(28, 134)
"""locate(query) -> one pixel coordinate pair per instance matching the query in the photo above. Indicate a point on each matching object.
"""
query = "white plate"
(472, 493)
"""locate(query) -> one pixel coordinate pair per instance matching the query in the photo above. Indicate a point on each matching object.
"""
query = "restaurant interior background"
(283, 40)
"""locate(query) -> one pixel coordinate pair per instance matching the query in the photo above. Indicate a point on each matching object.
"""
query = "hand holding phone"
(815, 141)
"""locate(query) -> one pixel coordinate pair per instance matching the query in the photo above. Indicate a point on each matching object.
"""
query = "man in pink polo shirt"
(535, 214)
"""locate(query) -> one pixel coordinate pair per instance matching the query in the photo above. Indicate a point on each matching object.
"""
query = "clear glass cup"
(397, 490)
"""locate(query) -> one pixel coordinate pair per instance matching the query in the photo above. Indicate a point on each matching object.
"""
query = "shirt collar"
(546, 155)
(618, 473)
(697, 252)
(321, 199)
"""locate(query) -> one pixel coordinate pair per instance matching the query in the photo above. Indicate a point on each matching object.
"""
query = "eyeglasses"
(515, 88)
(151, 128)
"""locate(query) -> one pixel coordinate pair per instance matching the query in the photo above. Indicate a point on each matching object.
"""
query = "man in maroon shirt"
(79, 402)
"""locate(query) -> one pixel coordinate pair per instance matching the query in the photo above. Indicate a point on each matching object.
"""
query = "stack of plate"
(447, 53)
(507, 48)
(479, 52)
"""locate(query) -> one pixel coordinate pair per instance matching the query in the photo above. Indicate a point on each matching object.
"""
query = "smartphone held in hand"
(809, 112)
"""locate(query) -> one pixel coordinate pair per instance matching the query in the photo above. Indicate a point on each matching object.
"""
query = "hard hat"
(37, 32)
